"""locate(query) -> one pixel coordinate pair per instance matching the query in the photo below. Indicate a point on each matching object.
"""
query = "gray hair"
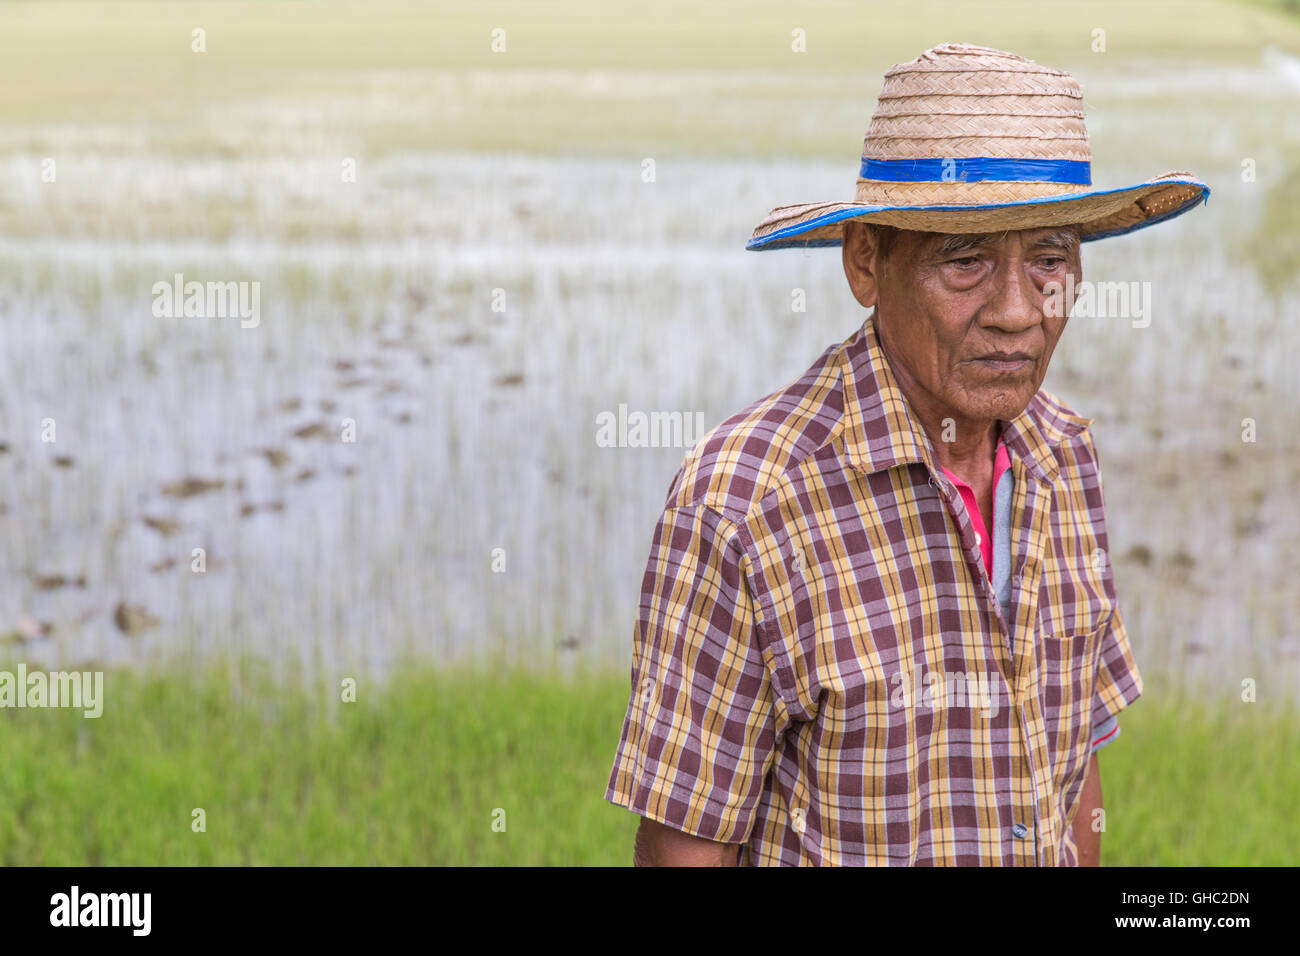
(1068, 238)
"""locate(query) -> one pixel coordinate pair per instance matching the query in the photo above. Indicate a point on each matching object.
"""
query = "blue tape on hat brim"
(783, 238)
(977, 169)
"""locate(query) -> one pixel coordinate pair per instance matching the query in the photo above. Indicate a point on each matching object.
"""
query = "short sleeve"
(702, 720)
(1104, 733)
(1118, 681)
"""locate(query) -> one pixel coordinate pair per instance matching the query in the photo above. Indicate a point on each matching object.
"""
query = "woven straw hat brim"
(1098, 212)
(969, 139)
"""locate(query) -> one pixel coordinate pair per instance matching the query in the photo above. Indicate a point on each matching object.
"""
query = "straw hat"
(970, 139)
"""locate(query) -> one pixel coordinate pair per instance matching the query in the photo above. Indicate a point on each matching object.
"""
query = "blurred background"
(476, 231)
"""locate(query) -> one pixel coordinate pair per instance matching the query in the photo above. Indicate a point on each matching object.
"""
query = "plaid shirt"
(821, 669)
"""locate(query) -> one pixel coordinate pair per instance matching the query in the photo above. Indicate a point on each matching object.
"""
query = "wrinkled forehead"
(1057, 237)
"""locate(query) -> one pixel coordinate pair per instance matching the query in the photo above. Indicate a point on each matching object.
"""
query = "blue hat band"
(952, 169)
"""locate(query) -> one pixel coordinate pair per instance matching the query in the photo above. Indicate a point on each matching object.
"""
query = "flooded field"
(401, 457)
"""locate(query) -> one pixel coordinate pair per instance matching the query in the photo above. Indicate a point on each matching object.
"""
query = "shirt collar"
(881, 431)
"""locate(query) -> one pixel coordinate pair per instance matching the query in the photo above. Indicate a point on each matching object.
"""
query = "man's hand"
(1086, 839)
(660, 845)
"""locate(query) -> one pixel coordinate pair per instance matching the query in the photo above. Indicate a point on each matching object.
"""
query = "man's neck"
(972, 448)
(973, 463)
(964, 446)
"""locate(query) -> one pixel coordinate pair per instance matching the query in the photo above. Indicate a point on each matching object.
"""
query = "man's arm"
(1086, 839)
(703, 719)
(659, 845)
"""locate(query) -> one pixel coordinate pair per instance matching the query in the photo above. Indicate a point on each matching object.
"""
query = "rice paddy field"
(474, 229)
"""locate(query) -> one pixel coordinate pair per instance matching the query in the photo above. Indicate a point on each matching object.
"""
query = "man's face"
(963, 318)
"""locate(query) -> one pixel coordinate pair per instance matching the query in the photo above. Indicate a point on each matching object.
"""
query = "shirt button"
(977, 539)
(1019, 830)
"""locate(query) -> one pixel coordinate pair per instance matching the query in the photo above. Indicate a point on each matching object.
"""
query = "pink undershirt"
(1001, 462)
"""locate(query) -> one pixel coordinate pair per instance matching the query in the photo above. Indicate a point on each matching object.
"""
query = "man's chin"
(1002, 406)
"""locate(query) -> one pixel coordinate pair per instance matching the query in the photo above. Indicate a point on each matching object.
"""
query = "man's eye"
(965, 261)
(1051, 262)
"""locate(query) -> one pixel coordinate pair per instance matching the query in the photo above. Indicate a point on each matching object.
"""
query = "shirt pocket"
(1074, 610)
(1068, 667)
(1074, 599)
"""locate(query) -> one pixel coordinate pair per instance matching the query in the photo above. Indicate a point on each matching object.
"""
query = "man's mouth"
(1004, 361)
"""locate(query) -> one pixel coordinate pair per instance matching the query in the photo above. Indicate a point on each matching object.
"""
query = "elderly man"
(879, 624)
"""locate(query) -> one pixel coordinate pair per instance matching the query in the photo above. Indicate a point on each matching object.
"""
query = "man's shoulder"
(744, 457)
(1068, 433)
(1058, 420)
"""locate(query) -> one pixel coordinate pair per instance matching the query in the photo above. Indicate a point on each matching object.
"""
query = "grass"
(409, 774)
(1191, 784)
(413, 773)
(573, 77)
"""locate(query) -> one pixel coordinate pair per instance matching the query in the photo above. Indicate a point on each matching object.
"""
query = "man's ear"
(859, 250)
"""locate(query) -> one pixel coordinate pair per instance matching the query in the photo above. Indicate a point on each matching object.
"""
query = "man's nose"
(1013, 306)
